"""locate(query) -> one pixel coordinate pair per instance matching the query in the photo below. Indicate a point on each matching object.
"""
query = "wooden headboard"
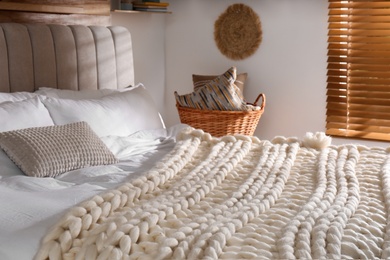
(64, 56)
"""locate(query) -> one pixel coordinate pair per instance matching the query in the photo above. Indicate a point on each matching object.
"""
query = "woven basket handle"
(262, 96)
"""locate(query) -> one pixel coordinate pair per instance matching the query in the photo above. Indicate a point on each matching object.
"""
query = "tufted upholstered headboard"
(66, 57)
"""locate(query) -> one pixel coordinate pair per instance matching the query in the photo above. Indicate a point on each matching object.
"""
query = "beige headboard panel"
(66, 57)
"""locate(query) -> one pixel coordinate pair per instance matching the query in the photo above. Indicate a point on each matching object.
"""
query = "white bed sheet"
(30, 206)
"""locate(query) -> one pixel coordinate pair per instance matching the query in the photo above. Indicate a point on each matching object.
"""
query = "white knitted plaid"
(239, 197)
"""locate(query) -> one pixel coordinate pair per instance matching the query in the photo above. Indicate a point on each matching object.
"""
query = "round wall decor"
(237, 32)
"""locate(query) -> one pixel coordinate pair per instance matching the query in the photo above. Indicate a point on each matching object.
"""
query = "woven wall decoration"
(237, 32)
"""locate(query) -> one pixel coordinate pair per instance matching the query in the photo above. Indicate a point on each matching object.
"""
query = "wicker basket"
(219, 123)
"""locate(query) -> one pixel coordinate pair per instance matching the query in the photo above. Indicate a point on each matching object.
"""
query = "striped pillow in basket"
(201, 80)
(218, 94)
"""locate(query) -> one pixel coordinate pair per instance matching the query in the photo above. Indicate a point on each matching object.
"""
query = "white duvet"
(30, 206)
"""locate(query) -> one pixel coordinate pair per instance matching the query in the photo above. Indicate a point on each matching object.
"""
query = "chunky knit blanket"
(239, 197)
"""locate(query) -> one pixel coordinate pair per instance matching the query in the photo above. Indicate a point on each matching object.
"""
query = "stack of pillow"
(224, 92)
(53, 131)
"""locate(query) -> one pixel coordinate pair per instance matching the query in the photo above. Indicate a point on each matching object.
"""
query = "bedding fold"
(238, 197)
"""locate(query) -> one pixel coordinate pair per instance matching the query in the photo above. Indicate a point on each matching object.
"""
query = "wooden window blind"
(358, 79)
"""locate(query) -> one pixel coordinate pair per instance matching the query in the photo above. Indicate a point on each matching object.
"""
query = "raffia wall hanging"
(237, 32)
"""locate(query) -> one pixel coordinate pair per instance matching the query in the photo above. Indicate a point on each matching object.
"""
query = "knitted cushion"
(51, 150)
(218, 94)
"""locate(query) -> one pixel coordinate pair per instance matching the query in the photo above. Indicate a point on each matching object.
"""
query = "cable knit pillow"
(201, 80)
(51, 150)
(218, 94)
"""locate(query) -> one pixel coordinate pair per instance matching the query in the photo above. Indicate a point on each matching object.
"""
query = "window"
(358, 87)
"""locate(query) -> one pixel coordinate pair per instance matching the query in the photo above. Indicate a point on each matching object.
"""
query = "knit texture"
(238, 197)
(51, 150)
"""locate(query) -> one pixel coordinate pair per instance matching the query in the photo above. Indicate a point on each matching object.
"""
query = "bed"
(83, 175)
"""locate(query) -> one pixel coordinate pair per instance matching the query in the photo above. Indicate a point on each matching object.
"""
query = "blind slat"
(358, 32)
(367, 53)
(370, 95)
(359, 11)
(360, 73)
(358, 87)
(358, 5)
(359, 25)
(337, 39)
(357, 18)
(352, 67)
(359, 60)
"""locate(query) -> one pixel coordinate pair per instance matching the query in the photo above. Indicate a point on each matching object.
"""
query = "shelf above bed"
(135, 12)
(66, 7)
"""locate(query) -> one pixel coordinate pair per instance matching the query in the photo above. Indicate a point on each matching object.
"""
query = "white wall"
(148, 38)
(289, 66)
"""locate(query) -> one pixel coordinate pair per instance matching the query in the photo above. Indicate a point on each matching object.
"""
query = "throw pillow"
(52, 150)
(218, 94)
(201, 80)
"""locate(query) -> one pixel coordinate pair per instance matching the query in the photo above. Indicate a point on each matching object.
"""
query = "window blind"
(358, 79)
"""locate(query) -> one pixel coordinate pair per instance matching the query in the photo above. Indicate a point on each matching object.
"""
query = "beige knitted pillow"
(52, 150)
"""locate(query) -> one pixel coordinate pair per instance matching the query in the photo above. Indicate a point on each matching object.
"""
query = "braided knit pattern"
(238, 197)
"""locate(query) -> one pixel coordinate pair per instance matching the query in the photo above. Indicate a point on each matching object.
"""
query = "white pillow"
(15, 96)
(23, 114)
(119, 114)
(77, 94)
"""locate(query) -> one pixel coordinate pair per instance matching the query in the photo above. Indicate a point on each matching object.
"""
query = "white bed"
(164, 193)
(30, 205)
(79, 65)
